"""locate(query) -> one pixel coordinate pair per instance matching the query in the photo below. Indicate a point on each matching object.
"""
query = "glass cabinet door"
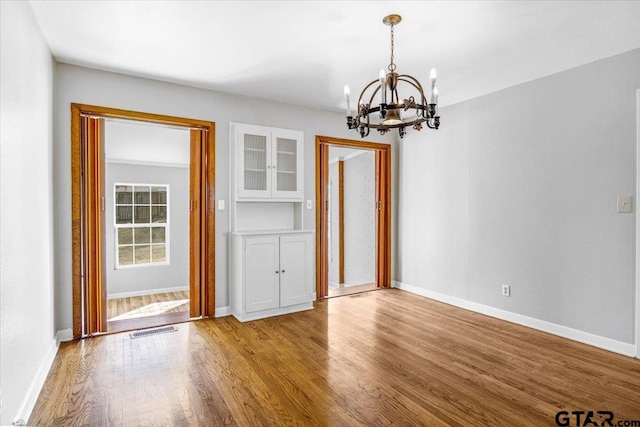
(287, 165)
(254, 165)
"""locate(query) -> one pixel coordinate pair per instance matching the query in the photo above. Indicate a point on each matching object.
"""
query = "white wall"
(359, 219)
(519, 187)
(81, 85)
(144, 279)
(27, 321)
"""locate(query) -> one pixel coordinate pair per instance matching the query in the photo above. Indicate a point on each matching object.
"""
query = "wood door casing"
(87, 192)
(383, 217)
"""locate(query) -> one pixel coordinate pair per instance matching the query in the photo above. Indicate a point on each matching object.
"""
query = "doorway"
(353, 243)
(351, 220)
(143, 219)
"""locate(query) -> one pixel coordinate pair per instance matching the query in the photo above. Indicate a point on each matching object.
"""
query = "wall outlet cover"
(625, 204)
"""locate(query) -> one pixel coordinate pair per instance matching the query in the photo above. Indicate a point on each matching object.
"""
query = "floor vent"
(147, 332)
(359, 295)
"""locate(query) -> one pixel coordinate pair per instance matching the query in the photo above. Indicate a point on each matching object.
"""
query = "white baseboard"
(541, 325)
(64, 335)
(35, 387)
(223, 311)
(147, 292)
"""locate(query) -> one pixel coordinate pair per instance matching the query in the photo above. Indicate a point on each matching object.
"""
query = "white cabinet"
(271, 273)
(269, 163)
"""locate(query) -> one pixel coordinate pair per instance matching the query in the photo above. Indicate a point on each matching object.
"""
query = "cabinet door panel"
(261, 262)
(254, 163)
(287, 164)
(296, 266)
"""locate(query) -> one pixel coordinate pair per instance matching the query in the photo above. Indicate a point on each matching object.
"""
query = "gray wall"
(359, 219)
(334, 201)
(27, 333)
(83, 85)
(151, 277)
(519, 187)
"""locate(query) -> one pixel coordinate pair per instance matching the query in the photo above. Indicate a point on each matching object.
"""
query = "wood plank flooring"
(148, 305)
(350, 290)
(378, 358)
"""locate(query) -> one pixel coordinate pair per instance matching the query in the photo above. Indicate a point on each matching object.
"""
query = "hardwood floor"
(147, 305)
(350, 290)
(147, 311)
(379, 358)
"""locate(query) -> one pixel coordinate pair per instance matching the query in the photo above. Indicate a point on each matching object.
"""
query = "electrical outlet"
(506, 290)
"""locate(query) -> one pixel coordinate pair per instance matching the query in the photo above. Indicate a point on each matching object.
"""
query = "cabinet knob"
(277, 272)
(283, 271)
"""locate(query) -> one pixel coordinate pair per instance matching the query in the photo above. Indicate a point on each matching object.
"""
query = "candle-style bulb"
(382, 76)
(435, 95)
(433, 77)
(347, 94)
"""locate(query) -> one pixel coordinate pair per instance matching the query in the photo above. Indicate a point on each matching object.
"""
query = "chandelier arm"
(415, 83)
(363, 92)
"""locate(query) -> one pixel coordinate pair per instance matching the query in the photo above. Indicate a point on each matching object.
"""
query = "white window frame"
(117, 226)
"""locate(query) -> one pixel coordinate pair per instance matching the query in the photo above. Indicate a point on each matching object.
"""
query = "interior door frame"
(383, 217)
(635, 208)
(87, 208)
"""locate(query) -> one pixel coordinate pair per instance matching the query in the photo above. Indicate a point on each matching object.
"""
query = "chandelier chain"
(392, 66)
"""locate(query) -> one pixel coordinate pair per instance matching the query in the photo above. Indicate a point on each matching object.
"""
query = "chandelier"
(380, 106)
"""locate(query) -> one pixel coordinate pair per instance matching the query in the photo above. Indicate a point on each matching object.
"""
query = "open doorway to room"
(353, 216)
(146, 223)
(143, 221)
(351, 228)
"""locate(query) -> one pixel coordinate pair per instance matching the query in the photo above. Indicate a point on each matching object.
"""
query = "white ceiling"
(303, 52)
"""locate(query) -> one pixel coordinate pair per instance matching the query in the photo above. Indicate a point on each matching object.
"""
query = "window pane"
(124, 194)
(123, 214)
(142, 215)
(143, 254)
(125, 236)
(157, 235)
(159, 214)
(125, 255)
(158, 253)
(142, 195)
(159, 195)
(142, 235)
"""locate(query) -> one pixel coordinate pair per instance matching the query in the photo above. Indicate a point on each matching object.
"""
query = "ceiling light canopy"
(380, 106)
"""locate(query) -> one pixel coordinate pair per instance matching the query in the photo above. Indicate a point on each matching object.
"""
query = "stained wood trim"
(81, 215)
(383, 217)
(76, 220)
(341, 220)
(209, 221)
(94, 110)
(322, 180)
(195, 222)
(92, 130)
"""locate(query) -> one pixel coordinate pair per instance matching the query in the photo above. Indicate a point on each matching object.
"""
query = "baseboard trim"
(223, 311)
(64, 335)
(541, 325)
(29, 402)
(147, 292)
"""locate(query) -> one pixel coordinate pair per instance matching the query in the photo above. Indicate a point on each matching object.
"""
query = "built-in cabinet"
(269, 163)
(271, 256)
(272, 273)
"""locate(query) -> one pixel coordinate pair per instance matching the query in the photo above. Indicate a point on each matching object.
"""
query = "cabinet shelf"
(290, 153)
(259, 150)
